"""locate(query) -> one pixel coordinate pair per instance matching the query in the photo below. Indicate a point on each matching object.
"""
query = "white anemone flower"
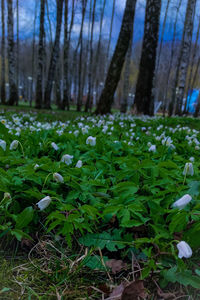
(67, 159)
(44, 202)
(182, 202)
(79, 164)
(58, 177)
(14, 145)
(55, 147)
(184, 250)
(152, 148)
(188, 169)
(191, 159)
(3, 145)
(76, 133)
(91, 141)
(36, 166)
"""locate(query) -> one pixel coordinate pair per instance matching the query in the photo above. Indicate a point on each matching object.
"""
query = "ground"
(88, 206)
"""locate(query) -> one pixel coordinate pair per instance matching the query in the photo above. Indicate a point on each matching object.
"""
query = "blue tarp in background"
(192, 100)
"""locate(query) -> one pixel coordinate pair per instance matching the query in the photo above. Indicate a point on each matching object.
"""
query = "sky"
(27, 9)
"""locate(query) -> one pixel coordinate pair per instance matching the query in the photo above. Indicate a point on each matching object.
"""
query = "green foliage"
(122, 197)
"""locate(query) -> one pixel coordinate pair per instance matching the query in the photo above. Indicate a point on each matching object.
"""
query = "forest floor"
(117, 169)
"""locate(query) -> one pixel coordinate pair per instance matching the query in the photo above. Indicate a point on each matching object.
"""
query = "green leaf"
(24, 218)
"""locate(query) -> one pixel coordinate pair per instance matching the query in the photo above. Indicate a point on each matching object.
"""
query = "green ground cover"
(89, 203)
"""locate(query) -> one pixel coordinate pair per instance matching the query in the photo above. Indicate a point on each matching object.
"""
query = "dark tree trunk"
(90, 81)
(115, 69)
(144, 102)
(17, 56)
(39, 93)
(79, 98)
(11, 57)
(124, 103)
(54, 57)
(3, 67)
(33, 55)
(67, 39)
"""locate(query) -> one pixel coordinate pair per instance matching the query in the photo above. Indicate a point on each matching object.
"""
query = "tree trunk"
(90, 81)
(54, 56)
(67, 39)
(11, 57)
(192, 67)
(33, 55)
(17, 3)
(110, 34)
(185, 53)
(79, 98)
(144, 102)
(115, 69)
(39, 92)
(124, 103)
(3, 66)
(97, 67)
(170, 110)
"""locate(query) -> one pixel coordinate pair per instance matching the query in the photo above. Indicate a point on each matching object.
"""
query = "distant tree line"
(87, 72)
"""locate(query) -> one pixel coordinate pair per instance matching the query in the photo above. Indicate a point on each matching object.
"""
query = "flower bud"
(44, 203)
(58, 177)
(184, 250)
(182, 202)
(14, 145)
(55, 147)
(188, 169)
(79, 164)
(3, 145)
(7, 196)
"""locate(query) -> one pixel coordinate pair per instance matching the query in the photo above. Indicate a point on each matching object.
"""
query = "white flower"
(14, 145)
(79, 164)
(76, 133)
(55, 147)
(182, 202)
(58, 177)
(191, 159)
(3, 145)
(91, 141)
(152, 148)
(44, 202)
(67, 159)
(84, 130)
(184, 250)
(188, 169)
(36, 166)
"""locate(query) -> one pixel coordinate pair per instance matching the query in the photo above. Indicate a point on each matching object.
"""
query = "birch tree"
(13, 92)
(185, 53)
(144, 102)
(54, 56)
(3, 68)
(117, 62)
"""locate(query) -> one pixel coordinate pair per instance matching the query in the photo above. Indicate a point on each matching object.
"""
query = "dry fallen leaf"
(117, 292)
(134, 291)
(116, 265)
